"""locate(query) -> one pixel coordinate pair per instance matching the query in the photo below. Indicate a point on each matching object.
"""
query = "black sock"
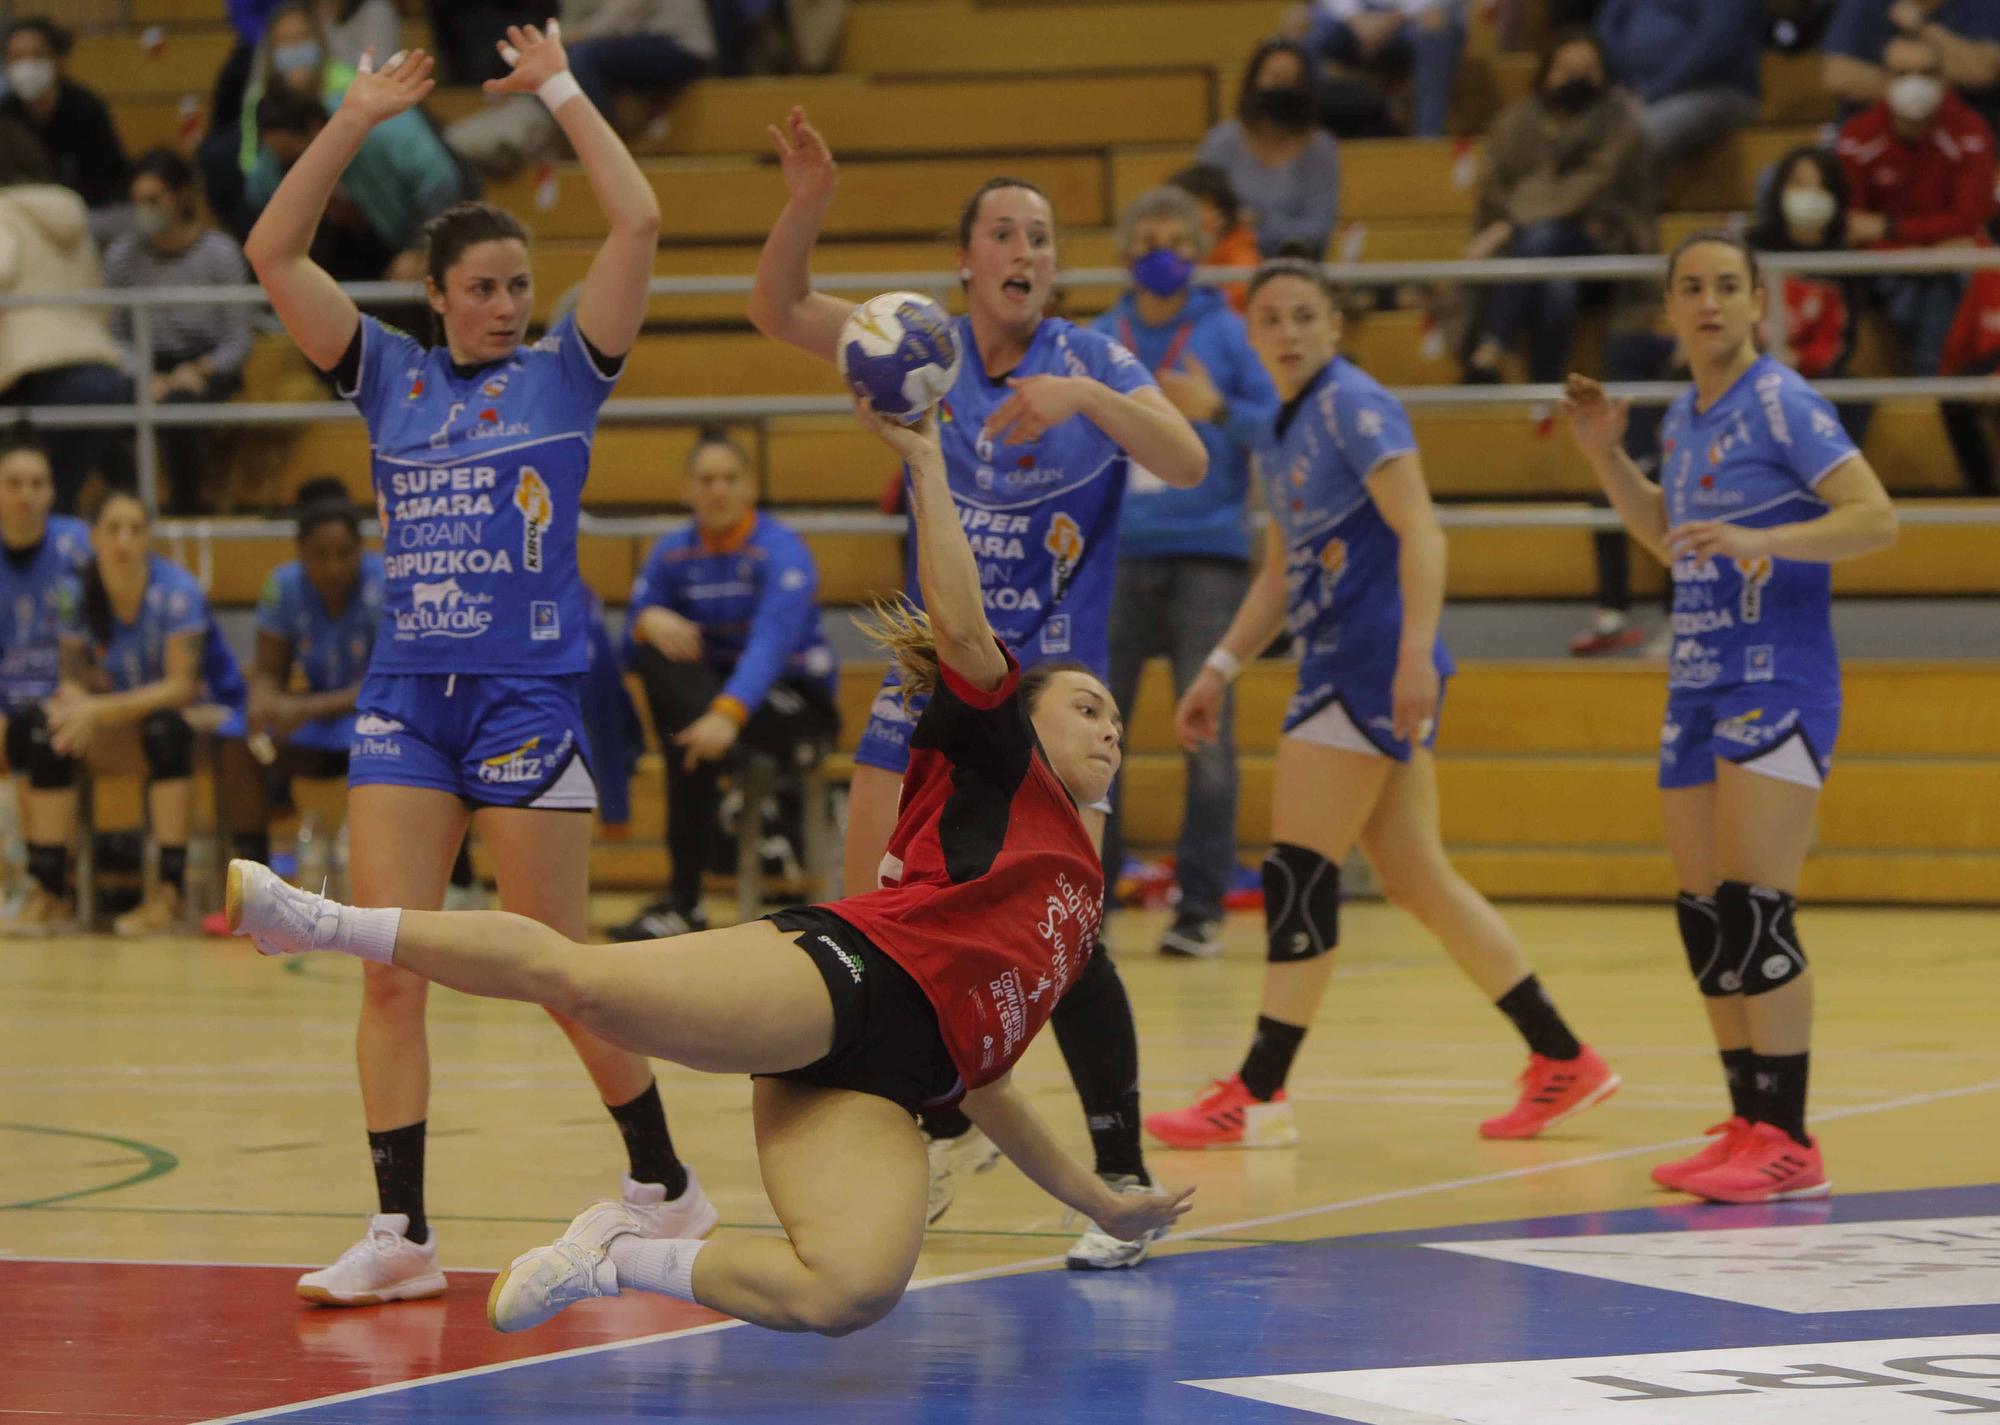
(1739, 1071)
(1100, 1043)
(174, 867)
(1781, 1084)
(49, 865)
(252, 846)
(399, 1175)
(644, 1123)
(1533, 1013)
(1269, 1062)
(945, 1122)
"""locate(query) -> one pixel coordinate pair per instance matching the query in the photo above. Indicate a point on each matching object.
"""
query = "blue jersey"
(1344, 600)
(332, 652)
(173, 606)
(478, 482)
(1753, 458)
(755, 598)
(1042, 516)
(38, 596)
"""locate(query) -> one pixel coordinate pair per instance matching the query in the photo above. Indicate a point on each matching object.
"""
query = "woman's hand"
(1596, 422)
(911, 442)
(1193, 391)
(677, 637)
(1718, 539)
(1038, 403)
(1413, 696)
(1130, 1216)
(72, 720)
(1198, 717)
(706, 738)
(533, 57)
(807, 163)
(402, 83)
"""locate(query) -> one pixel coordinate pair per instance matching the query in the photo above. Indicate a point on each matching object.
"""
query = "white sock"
(657, 1264)
(369, 934)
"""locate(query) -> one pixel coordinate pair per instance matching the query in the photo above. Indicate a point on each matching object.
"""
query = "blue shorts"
(1353, 711)
(486, 739)
(1757, 729)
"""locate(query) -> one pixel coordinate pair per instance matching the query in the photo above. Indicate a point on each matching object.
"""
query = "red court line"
(163, 1345)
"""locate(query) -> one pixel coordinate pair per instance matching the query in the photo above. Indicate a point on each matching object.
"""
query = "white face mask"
(1915, 97)
(1807, 207)
(31, 78)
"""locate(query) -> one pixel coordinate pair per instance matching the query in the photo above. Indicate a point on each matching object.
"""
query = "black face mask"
(1289, 106)
(1573, 96)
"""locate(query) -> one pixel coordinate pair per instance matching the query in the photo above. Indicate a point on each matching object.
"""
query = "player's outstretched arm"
(1404, 502)
(1860, 519)
(319, 316)
(1597, 425)
(782, 301)
(1259, 618)
(1144, 424)
(947, 574)
(612, 305)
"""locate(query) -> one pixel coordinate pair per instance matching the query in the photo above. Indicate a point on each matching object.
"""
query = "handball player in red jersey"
(921, 992)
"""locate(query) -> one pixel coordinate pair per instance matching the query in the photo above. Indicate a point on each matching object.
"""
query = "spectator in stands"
(1973, 349)
(1965, 32)
(1184, 554)
(1230, 237)
(652, 47)
(463, 31)
(55, 356)
(198, 352)
(1694, 64)
(72, 122)
(1283, 167)
(1920, 167)
(1567, 173)
(354, 27)
(145, 671)
(724, 631)
(398, 182)
(1391, 38)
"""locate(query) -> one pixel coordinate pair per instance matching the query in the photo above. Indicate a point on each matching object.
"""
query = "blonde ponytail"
(903, 631)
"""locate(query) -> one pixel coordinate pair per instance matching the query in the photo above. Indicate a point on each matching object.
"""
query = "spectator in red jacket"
(1973, 349)
(1920, 165)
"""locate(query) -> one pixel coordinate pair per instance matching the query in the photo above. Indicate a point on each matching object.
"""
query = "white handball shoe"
(689, 1215)
(971, 1152)
(1098, 1251)
(576, 1267)
(383, 1266)
(279, 918)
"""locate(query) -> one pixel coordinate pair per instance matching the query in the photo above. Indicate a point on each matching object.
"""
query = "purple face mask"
(1163, 272)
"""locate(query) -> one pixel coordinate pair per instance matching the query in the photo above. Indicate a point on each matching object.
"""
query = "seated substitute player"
(41, 555)
(317, 614)
(146, 669)
(1761, 491)
(724, 631)
(1354, 567)
(922, 990)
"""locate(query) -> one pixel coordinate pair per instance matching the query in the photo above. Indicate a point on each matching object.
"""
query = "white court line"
(1009, 1269)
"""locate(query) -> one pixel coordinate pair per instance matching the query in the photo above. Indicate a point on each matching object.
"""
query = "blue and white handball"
(899, 350)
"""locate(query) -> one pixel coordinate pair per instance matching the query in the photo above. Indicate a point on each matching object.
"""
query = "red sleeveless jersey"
(991, 892)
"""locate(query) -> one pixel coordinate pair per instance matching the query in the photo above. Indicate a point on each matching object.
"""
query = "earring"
(965, 274)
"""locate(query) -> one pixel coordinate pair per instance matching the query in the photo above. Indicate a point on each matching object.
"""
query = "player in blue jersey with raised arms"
(1354, 566)
(41, 555)
(1760, 492)
(1038, 433)
(480, 447)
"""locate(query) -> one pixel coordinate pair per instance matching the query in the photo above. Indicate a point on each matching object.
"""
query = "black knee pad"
(167, 742)
(1701, 937)
(1301, 904)
(31, 752)
(1758, 937)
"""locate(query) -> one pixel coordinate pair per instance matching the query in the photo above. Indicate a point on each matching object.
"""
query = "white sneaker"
(1098, 1251)
(576, 1267)
(971, 1152)
(279, 918)
(383, 1266)
(689, 1215)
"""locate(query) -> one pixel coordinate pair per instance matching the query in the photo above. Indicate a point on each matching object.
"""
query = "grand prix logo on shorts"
(443, 610)
(538, 511)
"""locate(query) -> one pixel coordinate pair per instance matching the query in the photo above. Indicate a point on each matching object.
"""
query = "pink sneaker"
(1552, 1090)
(1728, 1138)
(1227, 1115)
(1766, 1167)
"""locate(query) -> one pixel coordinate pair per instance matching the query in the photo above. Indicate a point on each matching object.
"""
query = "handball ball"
(899, 350)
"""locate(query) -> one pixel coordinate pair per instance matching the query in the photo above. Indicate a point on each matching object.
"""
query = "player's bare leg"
(873, 796)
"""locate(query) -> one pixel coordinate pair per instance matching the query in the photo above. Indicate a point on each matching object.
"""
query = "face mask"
(1915, 97)
(1289, 105)
(1163, 272)
(150, 221)
(1573, 96)
(31, 78)
(1807, 207)
(288, 59)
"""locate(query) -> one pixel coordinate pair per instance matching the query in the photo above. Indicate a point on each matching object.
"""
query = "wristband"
(730, 708)
(1223, 662)
(558, 89)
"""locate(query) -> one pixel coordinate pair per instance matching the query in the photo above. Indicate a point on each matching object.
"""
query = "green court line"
(159, 1162)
